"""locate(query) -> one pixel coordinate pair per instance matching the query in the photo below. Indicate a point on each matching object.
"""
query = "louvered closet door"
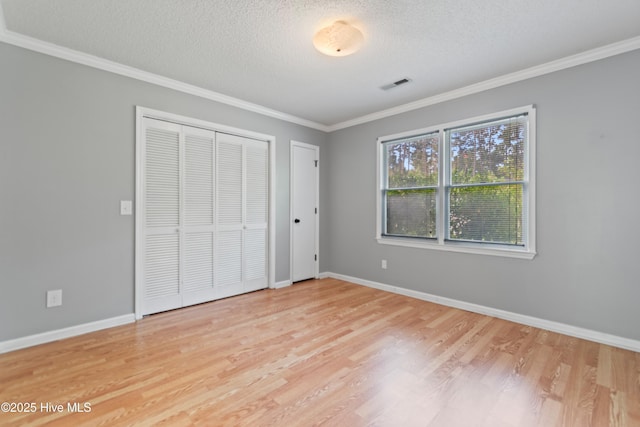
(205, 215)
(161, 213)
(198, 217)
(256, 215)
(178, 216)
(229, 213)
(242, 215)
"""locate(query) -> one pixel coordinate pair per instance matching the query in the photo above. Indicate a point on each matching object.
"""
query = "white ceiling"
(261, 51)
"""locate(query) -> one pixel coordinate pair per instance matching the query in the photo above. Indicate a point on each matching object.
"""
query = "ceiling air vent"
(395, 84)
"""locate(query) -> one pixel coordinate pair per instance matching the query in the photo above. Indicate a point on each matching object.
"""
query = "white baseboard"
(599, 337)
(562, 328)
(282, 284)
(72, 331)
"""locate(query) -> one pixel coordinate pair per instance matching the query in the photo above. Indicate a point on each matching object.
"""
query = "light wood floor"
(323, 353)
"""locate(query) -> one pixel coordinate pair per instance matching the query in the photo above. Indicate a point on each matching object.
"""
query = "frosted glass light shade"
(338, 39)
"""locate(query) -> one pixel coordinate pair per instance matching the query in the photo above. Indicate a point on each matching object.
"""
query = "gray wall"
(587, 271)
(67, 157)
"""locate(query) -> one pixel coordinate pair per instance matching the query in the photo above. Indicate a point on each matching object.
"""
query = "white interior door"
(304, 211)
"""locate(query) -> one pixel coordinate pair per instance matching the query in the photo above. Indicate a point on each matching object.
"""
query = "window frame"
(528, 251)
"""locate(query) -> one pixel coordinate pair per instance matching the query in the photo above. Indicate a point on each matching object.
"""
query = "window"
(466, 186)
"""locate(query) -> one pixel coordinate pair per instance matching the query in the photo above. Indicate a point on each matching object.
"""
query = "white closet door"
(256, 215)
(198, 227)
(230, 225)
(243, 215)
(204, 222)
(161, 213)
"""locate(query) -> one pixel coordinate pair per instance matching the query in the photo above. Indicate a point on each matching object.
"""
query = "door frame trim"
(316, 149)
(143, 112)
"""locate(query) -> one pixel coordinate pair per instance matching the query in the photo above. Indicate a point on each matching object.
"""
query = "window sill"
(459, 247)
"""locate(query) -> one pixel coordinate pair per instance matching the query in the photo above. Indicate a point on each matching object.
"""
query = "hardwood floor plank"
(323, 353)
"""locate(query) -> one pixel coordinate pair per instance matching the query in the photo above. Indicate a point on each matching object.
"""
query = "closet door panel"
(199, 177)
(255, 259)
(161, 212)
(199, 206)
(198, 268)
(162, 180)
(229, 276)
(230, 227)
(257, 185)
(229, 181)
(162, 272)
(257, 214)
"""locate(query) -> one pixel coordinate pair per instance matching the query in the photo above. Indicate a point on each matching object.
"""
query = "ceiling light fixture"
(338, 39)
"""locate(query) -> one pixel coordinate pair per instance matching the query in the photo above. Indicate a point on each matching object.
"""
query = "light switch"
(126, 207)
(54, 298)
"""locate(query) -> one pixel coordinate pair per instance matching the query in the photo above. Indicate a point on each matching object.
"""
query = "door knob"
(296, 220)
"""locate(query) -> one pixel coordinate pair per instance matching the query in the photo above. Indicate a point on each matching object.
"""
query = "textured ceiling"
(261, 51)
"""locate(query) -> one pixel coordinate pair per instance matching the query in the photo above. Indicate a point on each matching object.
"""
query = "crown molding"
(528, 73)
(51, 49)
(57, 51)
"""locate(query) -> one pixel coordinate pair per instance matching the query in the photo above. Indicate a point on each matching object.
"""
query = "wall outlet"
(54, 298)
(384, 264)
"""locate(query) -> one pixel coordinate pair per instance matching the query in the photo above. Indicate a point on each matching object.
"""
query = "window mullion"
(443, 181)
